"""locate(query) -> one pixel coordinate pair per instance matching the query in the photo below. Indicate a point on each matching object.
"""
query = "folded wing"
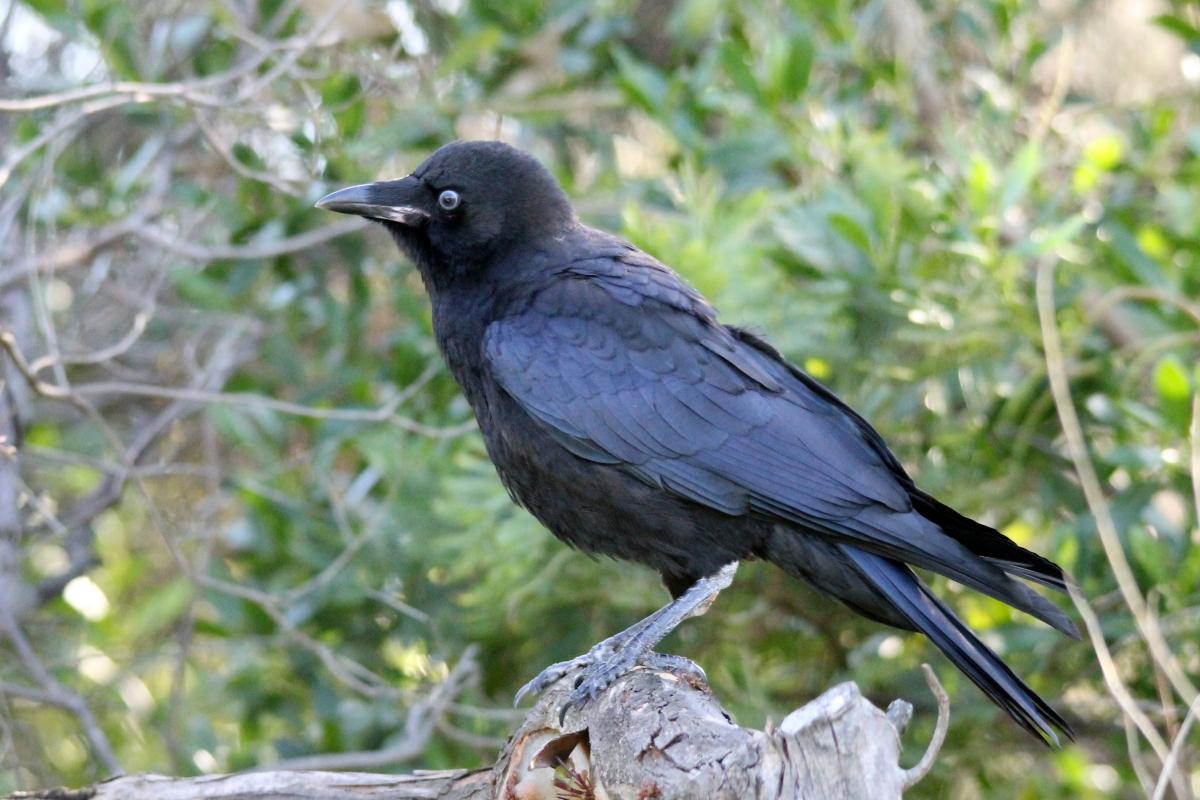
(625, 365)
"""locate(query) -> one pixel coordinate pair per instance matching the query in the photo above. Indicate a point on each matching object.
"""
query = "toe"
(550, 676)
(672, 663)
(539, 684)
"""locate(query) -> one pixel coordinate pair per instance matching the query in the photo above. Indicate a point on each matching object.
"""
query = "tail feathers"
(990, 544)
(917, 540)
(912, 600)
(1033, 603)
(1021, 570)
(921, 542)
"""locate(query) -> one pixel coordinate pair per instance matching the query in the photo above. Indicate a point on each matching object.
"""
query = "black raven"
(630, 422)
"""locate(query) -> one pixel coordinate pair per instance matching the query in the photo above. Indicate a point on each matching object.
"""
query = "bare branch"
(1194, 446)
(1060, 387)
(301, 45)
(59, 695)
(918, 771)
(213, 137)
(1150, 294)
(59, 127)
(73, 252)
(651, 735)
(423, 719)
(1169, 766)
(442, 784)
(115, 350)
(384, 413)
(344, 669)
(208, 253)
(195, 91)
(29, 693)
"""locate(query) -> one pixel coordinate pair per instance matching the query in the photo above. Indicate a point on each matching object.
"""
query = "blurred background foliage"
(245, 518)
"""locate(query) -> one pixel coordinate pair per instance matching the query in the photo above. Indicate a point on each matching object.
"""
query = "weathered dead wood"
(653, 735)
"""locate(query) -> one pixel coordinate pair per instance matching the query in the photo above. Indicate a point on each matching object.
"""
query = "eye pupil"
(448, 200)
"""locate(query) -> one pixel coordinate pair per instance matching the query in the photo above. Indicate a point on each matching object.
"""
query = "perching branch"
(652, 735)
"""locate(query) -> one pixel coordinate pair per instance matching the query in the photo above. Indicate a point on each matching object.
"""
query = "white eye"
(448, 200)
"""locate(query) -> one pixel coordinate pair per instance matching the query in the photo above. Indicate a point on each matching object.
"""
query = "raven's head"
(466, 206)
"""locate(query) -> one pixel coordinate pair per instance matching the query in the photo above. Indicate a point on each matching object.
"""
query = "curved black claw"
(550, 676)
(616, 655)
(594, 679)
(608, 651)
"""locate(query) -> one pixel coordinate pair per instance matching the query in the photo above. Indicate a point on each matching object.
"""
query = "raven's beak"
(397, 201)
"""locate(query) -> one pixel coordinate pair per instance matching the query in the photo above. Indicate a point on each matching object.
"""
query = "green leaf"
(471, 49)
(1104, 152)
(351, 118)
(247, 155)
(1063, 233)
(801, 54)
(1171, 380)
(1178, 26)
(48, 8)
(851, 231)
(158, 609)
(1020, 175)
(642, 83)
(55, 12)
(1174, 388)
(735, 61)
(341, 88)
(980, 181)
(1142, 268)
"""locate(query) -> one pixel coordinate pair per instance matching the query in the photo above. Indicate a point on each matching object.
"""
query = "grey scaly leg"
(616, 655)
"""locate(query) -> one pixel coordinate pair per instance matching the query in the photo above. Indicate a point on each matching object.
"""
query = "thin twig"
(1133, 747)
(193, 91)
(250, 252)
(213, 137)
(1194, 446)
(1112, 676)
(919, 770)
(1169, 766)
(115, 350)
(346, 670)
(399, 606)
(1149, 294)
(1110, 540)
(304, 43)
(72, 252)
(59, 695)
(419, 727)
(354, 543)
(29, 693)
(385, 412)
(50, 132)
(1062, 82)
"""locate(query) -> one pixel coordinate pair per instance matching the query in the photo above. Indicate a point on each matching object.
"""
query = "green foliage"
(873, 193)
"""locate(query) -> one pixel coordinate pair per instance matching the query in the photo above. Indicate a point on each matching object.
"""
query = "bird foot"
(599, 669)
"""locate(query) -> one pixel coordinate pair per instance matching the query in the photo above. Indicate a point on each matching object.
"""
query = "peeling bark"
(652, 736)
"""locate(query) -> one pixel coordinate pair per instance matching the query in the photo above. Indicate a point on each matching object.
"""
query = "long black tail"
(990, 544)
(913, 601)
